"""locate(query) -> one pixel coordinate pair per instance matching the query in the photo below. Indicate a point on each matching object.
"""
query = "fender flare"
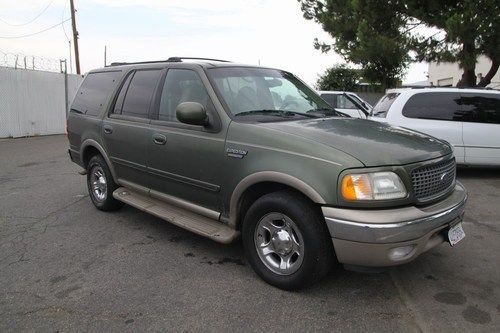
(269, 176)
(92, 143)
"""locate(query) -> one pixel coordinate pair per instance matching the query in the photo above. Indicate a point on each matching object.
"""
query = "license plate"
(456, 234)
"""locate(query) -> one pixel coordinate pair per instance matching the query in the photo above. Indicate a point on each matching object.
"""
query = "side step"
(196, 223)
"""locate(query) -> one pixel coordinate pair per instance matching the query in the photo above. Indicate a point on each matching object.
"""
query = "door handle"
(159, 139)
(108, 129)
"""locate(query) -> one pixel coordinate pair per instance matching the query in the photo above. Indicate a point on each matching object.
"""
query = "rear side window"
(94, 92)
(136, 93)
(330, 99)
(481, 108)
(344, 103)
(121, 96)
(434, 105)
(383, 105)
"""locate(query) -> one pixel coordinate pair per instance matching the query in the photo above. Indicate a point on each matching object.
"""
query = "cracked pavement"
(65, 266)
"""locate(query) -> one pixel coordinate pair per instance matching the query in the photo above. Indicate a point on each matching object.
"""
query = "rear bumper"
(74, 156)
(389, 237)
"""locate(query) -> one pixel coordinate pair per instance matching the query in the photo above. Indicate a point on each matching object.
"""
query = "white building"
(447, 74)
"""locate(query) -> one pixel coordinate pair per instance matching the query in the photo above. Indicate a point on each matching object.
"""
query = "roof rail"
(171, 59)
(179, 59)
(135, 63)
(426, 87)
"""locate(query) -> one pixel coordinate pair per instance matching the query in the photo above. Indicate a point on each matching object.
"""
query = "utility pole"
(75, 36)
(105, 60)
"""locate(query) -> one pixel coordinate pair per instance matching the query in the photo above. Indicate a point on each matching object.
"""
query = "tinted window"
(121, 96)
(181, 85)
(94, 92)
(344, 103)
(434, 105)
(384, 104)
(330, 98)
(139, 93)
(481, 108)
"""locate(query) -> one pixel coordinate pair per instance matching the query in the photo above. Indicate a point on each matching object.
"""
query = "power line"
(35, 33)
(62, 18)
(69, 40)
(32, 20)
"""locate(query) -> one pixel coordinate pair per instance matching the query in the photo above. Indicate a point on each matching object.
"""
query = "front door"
(125, 130)
(186, 160)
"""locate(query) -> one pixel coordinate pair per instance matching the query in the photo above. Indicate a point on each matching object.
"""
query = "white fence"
(34, 102)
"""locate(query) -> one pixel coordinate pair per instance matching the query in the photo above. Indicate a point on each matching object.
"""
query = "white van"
(469, 119)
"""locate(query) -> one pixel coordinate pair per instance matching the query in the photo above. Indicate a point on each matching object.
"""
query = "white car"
(469, 119)
(347, 102)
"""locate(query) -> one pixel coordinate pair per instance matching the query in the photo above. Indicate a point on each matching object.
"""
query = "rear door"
(186, 161)
(125, 129)
(437, 114)
(481, 123)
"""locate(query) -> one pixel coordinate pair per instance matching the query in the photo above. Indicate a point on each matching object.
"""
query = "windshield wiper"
(357, 104)
(273, 112)
(327, 111)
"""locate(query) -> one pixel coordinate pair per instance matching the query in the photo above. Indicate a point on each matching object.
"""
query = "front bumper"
(389, 237)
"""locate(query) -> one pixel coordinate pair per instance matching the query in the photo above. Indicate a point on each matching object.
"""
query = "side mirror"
(191, 113)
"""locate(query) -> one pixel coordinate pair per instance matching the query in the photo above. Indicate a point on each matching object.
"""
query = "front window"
(267, 93)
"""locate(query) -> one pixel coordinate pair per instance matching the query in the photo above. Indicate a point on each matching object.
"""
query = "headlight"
(373, 186)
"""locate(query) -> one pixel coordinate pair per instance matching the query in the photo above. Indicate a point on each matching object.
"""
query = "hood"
(373, 143)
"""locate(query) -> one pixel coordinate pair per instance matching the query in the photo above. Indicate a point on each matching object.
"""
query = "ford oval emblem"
(443, 176)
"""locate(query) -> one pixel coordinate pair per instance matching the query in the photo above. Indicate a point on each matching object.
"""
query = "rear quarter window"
(481, 108)
(94, 92)
(384, 104)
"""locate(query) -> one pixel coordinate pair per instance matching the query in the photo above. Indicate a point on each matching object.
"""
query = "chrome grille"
(432, 180)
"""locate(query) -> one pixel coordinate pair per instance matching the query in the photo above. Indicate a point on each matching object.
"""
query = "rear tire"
(286, 241)
(101, 185)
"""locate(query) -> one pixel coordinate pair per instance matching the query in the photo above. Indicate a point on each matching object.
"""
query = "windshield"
(267, 92)
(383, 105)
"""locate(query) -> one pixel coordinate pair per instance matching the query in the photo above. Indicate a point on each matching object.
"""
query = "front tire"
(286, 241)
(101, 185)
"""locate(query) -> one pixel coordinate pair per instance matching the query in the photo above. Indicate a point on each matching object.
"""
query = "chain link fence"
(22, 61)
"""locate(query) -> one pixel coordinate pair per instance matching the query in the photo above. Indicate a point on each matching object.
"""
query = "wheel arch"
(89, 148)
(260, 183)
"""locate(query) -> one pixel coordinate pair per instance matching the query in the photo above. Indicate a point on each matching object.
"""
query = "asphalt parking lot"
(65, 266)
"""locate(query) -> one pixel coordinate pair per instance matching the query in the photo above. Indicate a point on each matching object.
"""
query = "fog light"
(399, 253)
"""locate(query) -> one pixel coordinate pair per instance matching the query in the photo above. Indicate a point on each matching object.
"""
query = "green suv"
(228, 150)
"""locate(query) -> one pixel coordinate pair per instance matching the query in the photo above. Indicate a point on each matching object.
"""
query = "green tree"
(380, 35)
(366, 33)
(466, 29)
(339, 77)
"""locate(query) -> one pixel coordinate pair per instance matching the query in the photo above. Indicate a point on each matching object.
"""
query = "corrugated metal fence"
(34, 102)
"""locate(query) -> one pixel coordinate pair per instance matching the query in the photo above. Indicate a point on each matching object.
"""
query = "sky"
(271, 33)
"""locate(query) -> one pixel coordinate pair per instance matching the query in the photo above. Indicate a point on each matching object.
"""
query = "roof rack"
(171, 59)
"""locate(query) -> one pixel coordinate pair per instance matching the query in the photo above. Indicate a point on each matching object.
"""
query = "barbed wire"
(23, 61)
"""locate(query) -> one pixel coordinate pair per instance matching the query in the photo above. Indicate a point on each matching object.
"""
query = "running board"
(183, 218)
